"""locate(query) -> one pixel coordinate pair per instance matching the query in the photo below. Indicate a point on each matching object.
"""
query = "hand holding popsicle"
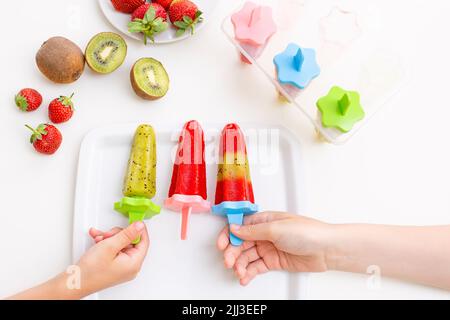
(109, 262)
(283, 241)
(275, 241)
(115, 259)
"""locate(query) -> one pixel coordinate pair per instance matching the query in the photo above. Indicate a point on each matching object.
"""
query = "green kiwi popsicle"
(140, 180)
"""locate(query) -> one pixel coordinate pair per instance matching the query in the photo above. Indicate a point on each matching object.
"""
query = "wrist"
(70, 284)
(66, 287)
(334, 248)
(347, 247)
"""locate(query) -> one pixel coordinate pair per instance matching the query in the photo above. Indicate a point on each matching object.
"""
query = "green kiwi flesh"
(106, 52)
(149, 79)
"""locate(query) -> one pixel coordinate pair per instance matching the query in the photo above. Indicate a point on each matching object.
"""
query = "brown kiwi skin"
(90, 41)
(60, 60)
(138, 90)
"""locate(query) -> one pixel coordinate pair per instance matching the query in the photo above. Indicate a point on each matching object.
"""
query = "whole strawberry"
(184, 15)
(140, 12)
(149, 19)
(61, 109)
(46, 138)
(127, 6)
(28, 99)
(164, 3)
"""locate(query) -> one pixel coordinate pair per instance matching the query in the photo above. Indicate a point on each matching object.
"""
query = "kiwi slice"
(149, 79)
(106, 52)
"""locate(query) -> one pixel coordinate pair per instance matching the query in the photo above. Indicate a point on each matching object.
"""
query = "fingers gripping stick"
(137, 209)
(237, 219)
(235, 212)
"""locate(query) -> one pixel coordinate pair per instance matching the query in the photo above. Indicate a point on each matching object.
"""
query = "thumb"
(125, 237)
(261, 231)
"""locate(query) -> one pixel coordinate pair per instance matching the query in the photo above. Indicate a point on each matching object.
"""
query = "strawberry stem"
(67, 101)
(31, 128)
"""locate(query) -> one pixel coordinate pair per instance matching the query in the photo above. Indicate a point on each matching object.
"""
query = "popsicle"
(140, 180)
(187, 193)
(253, 28)
(295, 68)
(234, 191)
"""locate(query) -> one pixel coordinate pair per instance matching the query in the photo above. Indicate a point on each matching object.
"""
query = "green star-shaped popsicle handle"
(341, 109)
(137, 209)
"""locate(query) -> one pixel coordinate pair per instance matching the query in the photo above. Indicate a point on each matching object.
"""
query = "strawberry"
(184, 15)
(28, 99)
(61, 109)
(46, 138)
(127, 6)
(165, 3)
(149, 19)
(140, 12)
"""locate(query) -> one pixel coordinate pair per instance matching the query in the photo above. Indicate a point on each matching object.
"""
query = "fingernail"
(235, 227)
(139, 226)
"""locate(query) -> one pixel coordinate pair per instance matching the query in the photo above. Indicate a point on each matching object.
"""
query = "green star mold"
(340, 109)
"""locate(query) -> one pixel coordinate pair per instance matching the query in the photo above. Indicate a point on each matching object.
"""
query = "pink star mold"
(253, 28)
(340, 27)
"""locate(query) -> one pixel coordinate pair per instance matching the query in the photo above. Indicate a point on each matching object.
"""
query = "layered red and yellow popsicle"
(140, 179)
(187, 193)
(234, 191)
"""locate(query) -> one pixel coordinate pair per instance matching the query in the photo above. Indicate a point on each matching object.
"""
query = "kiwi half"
(149, 79)
(106, 52)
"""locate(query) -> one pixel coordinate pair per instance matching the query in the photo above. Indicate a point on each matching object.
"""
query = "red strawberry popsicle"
(187, 191)
(234, 191)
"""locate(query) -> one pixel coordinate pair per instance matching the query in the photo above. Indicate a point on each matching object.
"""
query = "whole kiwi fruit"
(60, 60)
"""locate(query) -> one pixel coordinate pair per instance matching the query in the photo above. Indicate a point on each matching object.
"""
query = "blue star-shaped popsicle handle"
(235, 212)
(296, 66)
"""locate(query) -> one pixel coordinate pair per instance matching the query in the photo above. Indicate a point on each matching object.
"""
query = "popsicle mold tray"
(352, 48)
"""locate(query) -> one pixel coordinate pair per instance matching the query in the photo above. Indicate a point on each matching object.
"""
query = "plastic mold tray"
(353, 51)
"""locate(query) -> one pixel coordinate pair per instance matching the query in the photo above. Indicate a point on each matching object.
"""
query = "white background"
(395, 171)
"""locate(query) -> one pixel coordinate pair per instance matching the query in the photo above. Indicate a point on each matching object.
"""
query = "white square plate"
(191, 269)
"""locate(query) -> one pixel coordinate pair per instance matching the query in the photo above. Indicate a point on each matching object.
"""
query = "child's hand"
(113, 259)
(275, 241)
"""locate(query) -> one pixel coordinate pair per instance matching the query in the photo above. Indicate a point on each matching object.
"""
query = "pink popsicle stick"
(185, 212)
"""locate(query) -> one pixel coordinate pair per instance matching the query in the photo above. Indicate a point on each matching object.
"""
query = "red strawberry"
(46, 138)
(149, 19)
(28, 99)
(184, 15)
(61, 109)
(127, 6)
(140, 12)
(164, 3)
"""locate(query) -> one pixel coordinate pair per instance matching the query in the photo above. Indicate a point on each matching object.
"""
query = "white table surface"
(396, 170)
